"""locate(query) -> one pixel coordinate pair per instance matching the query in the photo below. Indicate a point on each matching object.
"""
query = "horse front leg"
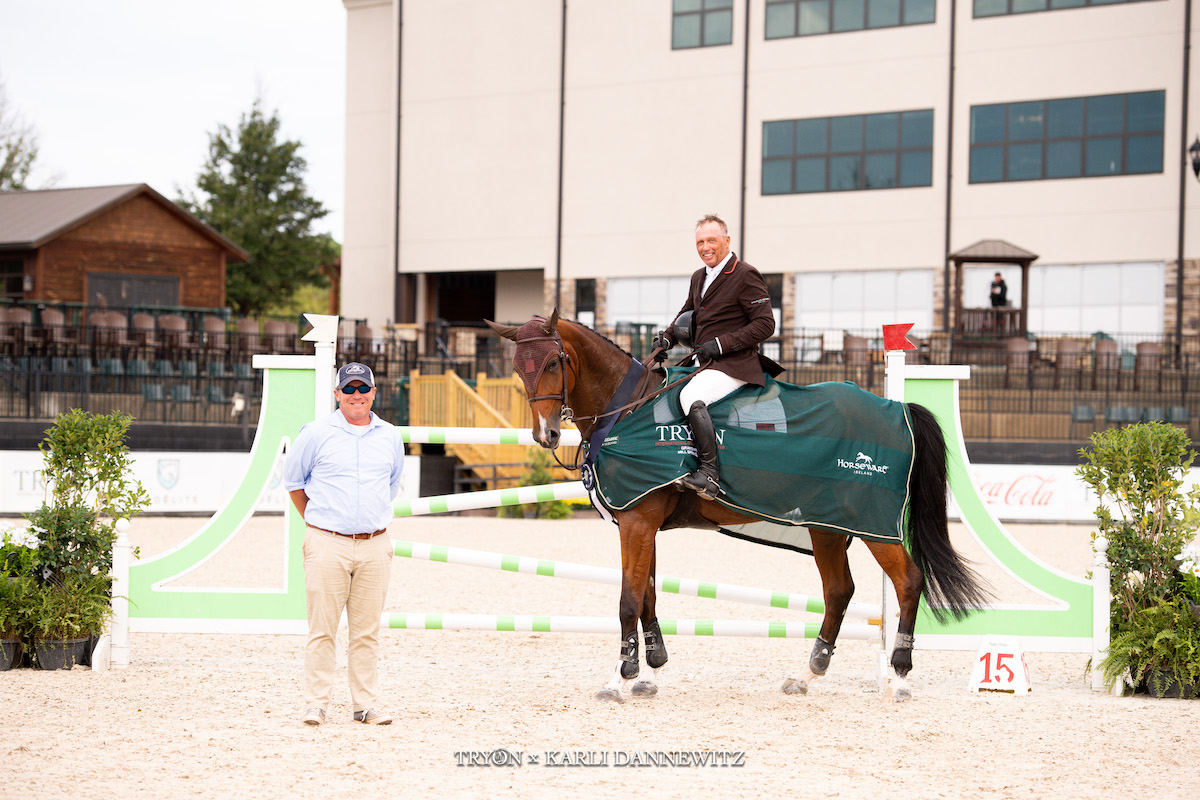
(906, 577)
(656, 648)
(637, 559)
(837, 587)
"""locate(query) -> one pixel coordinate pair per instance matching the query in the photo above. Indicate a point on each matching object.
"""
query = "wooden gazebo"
(992, 322)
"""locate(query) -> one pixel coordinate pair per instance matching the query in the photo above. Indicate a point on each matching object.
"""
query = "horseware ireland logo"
(863, 464)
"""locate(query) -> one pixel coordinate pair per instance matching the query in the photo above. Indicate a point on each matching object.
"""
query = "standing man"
(999, 291)
(342, 473)
(731, 315)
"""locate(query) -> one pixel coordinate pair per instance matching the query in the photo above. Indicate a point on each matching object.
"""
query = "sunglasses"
(353, 389)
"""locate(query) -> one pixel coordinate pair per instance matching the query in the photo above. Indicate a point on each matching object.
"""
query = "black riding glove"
(710, 350)
(661, 340)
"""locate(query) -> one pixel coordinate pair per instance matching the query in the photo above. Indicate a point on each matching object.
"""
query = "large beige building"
(507, 155)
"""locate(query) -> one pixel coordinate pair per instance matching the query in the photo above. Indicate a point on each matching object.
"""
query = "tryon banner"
(178, 483)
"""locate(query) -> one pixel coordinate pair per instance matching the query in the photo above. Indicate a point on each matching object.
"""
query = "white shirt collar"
(710, 273)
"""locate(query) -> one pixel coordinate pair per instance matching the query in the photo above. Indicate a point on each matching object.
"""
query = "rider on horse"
(730, 316)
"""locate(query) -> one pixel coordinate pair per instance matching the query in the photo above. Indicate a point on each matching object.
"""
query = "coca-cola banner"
(1041, 493)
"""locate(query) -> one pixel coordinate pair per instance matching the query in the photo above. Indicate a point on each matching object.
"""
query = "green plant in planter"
(71, 541)
(87, 468)
(75, 607)
(1159, 646)
(16, 581)
(538, 474)
(1138, 473)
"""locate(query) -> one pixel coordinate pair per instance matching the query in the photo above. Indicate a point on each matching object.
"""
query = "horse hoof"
(644, 689)
(902, 695)
(609, 693)
(793, 686)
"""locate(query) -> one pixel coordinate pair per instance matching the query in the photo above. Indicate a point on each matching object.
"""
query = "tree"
(251, 190)
(18, 147)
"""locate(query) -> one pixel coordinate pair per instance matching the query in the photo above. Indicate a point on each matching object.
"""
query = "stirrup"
(704, 485)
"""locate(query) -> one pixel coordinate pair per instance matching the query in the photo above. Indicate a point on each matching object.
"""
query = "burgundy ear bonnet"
(534, 350)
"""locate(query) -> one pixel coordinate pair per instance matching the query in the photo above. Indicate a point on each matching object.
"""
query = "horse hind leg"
(837, 584)
(909, 584)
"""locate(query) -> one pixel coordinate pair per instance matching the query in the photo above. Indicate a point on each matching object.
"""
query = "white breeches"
(707, 386)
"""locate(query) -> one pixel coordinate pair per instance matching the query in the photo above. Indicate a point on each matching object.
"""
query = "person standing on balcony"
(343, 473)
(999, 292)
(731, 317)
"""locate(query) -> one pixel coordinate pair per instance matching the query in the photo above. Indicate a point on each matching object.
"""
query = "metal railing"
(1021, 388)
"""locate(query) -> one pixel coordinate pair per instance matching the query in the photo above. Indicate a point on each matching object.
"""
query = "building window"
(585, 301)
(788, 18)
(12, 278)
(998, 8)
(838, 154)
(862, 301)
(1071, 137)
(701, 23)
(645, 301)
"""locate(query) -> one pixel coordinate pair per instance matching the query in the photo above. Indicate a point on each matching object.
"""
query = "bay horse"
(570, 371)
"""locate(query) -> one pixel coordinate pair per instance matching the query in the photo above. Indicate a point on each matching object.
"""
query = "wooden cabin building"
(109, 246)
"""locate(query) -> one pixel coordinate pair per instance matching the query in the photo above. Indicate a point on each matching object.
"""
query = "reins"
(633, 404)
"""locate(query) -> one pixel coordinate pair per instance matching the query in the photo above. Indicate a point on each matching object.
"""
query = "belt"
(351, 535)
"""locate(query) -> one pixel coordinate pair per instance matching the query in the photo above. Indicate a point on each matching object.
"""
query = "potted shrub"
(88, 474)
(1138, 473)
(65, 615)
(16, 581)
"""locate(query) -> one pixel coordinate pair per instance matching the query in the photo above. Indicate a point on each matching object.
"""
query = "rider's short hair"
(707, 218)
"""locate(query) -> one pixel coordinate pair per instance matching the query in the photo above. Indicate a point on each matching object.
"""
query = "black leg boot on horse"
(705, 481)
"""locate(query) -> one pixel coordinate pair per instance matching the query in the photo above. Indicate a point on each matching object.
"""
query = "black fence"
(1049, 388)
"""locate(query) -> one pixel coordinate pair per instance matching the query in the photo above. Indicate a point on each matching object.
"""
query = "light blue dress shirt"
(351, 480)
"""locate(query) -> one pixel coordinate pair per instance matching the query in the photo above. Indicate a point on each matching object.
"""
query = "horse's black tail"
(950, 585)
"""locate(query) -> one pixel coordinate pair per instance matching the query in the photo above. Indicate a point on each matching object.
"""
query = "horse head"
(541, 361)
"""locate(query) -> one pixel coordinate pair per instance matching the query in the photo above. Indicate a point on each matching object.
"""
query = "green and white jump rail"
(491, 498)
(414, 434)
(612, 625)
(685, 587)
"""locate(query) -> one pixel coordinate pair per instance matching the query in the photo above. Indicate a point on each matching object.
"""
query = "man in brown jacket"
(731, 313)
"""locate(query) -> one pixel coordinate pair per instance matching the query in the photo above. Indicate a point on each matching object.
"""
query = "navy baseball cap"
(355, 371)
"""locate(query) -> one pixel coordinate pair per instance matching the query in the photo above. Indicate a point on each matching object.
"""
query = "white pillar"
(119, 627)
(1101, 612)
(324, 337)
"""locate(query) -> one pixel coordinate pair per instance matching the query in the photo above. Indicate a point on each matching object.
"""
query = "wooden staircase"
(447, 401)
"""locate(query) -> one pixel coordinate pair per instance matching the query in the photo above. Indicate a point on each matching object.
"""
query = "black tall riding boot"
(706, 480)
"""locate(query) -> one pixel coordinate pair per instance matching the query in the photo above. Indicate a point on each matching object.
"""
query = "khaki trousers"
(350, 574)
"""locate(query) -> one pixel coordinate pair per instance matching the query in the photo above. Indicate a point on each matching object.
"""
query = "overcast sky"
(128, 91)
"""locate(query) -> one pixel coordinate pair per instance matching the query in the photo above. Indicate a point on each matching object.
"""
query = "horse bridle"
(565, 413)
(564, 360)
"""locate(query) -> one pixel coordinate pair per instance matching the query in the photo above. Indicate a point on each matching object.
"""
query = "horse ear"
(551, 324)
(506, 331)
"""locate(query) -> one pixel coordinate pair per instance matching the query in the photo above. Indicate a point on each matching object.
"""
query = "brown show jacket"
(737, 312)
